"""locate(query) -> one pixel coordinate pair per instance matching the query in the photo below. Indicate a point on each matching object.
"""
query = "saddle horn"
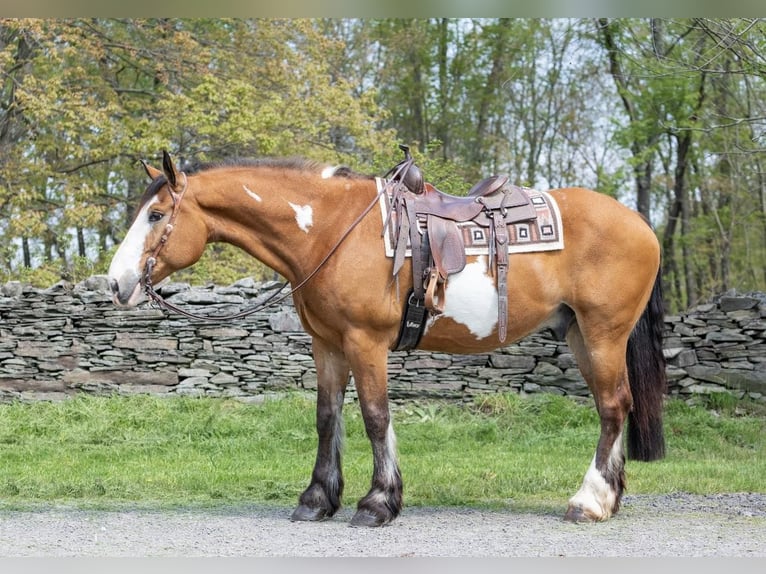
(411, 176)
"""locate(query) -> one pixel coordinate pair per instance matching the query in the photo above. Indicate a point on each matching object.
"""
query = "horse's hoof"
(578, 515)
(306, 514)
(367, 518)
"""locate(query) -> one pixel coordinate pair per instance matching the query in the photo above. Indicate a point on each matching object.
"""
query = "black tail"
(648, 383)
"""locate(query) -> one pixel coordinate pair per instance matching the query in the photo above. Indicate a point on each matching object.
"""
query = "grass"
(502, 451)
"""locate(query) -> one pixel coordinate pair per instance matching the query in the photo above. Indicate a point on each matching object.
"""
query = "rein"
(151, 261)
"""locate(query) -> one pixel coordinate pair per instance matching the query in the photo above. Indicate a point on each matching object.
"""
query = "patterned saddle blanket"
(544, 233)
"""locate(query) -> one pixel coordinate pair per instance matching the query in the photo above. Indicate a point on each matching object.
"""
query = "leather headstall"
(151, 261)
(271, 300)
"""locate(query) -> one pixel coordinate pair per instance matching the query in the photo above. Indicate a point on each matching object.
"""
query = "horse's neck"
(286, 224)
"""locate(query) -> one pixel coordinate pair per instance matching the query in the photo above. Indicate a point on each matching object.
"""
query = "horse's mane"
(291, 163)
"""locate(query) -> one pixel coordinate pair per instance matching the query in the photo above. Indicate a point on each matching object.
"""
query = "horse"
(312, 224)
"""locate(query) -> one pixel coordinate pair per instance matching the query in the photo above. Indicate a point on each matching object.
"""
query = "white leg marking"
(252, 194)
(471, 299)
(390, 461)
(595, 497)
(304, 215)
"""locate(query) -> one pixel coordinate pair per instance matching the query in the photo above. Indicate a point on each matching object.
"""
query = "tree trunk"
(26, 252)
(643, 173)
(669, 267)
(442, 126)
(499, 54)
(642, 170)
(682, 199)
(416, 101)
(81, 243)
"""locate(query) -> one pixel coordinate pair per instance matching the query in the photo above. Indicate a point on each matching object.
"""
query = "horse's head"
(166, 235)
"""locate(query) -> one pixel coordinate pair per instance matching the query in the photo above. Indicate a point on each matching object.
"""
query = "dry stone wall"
(70, 339)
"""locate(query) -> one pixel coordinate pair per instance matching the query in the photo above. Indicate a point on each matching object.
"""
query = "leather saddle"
(429, 218)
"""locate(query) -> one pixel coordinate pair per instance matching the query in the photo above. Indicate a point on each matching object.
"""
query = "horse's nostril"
(114, 286)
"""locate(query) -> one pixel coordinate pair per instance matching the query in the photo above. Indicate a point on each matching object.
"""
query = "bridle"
(151, 261)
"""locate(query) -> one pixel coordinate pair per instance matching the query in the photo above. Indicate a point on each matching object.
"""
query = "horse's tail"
(648, 383)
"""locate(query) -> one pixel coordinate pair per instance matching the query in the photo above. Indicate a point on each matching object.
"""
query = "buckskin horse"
(314, 225)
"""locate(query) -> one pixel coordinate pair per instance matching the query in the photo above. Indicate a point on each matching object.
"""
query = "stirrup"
(435, 283)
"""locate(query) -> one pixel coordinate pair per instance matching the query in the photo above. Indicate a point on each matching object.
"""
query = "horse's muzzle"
(126, 293)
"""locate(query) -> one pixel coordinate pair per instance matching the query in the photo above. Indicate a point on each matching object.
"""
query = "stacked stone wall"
(69, 339)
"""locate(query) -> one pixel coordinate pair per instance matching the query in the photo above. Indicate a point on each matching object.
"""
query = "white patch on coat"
(252, 194)
(596, 498)
(329, 171)
(471, 299)
(304, 215)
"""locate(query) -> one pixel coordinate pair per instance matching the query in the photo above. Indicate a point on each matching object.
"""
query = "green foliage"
(40, 276)
(86, 98)
(691, 131)
(223, 265)
(503, 450)
(659, 113)
(50, 272)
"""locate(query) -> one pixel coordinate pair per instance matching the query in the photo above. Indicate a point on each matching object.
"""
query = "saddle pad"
(542, 234)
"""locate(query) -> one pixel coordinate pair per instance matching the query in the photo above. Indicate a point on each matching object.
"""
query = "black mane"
(292, 163)
(153, 189)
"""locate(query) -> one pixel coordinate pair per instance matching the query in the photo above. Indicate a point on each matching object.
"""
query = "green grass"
(504, 450)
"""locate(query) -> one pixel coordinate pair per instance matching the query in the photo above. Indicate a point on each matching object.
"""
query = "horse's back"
(585, 212)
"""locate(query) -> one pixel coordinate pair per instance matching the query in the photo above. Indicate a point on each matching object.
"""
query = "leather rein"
(151, 261)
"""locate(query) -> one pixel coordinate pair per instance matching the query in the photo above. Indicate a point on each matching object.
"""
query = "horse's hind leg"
(322, 498)
(602, 364)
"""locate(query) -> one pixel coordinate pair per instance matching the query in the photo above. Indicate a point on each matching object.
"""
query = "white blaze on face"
(125, 266)
(252, 194)
(471, 299)
(304, 215)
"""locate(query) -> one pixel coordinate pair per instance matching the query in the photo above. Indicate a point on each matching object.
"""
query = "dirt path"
(666, 525)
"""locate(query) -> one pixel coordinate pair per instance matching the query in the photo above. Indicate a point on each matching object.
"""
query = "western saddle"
(429, 219)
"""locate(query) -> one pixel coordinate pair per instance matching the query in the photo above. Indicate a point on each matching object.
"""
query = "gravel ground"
(676, 525)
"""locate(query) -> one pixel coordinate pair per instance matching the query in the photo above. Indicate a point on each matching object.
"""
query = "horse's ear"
(169, 169)
(152, 172)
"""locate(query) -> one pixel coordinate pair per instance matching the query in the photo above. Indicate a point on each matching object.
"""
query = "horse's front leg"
(322, 498)
(383, 502)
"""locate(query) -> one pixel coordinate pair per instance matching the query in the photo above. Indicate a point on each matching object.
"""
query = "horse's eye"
(155, 216)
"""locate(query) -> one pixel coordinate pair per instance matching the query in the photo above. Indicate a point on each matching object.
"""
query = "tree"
(84, 99)
(660, 98)
(666, 115)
